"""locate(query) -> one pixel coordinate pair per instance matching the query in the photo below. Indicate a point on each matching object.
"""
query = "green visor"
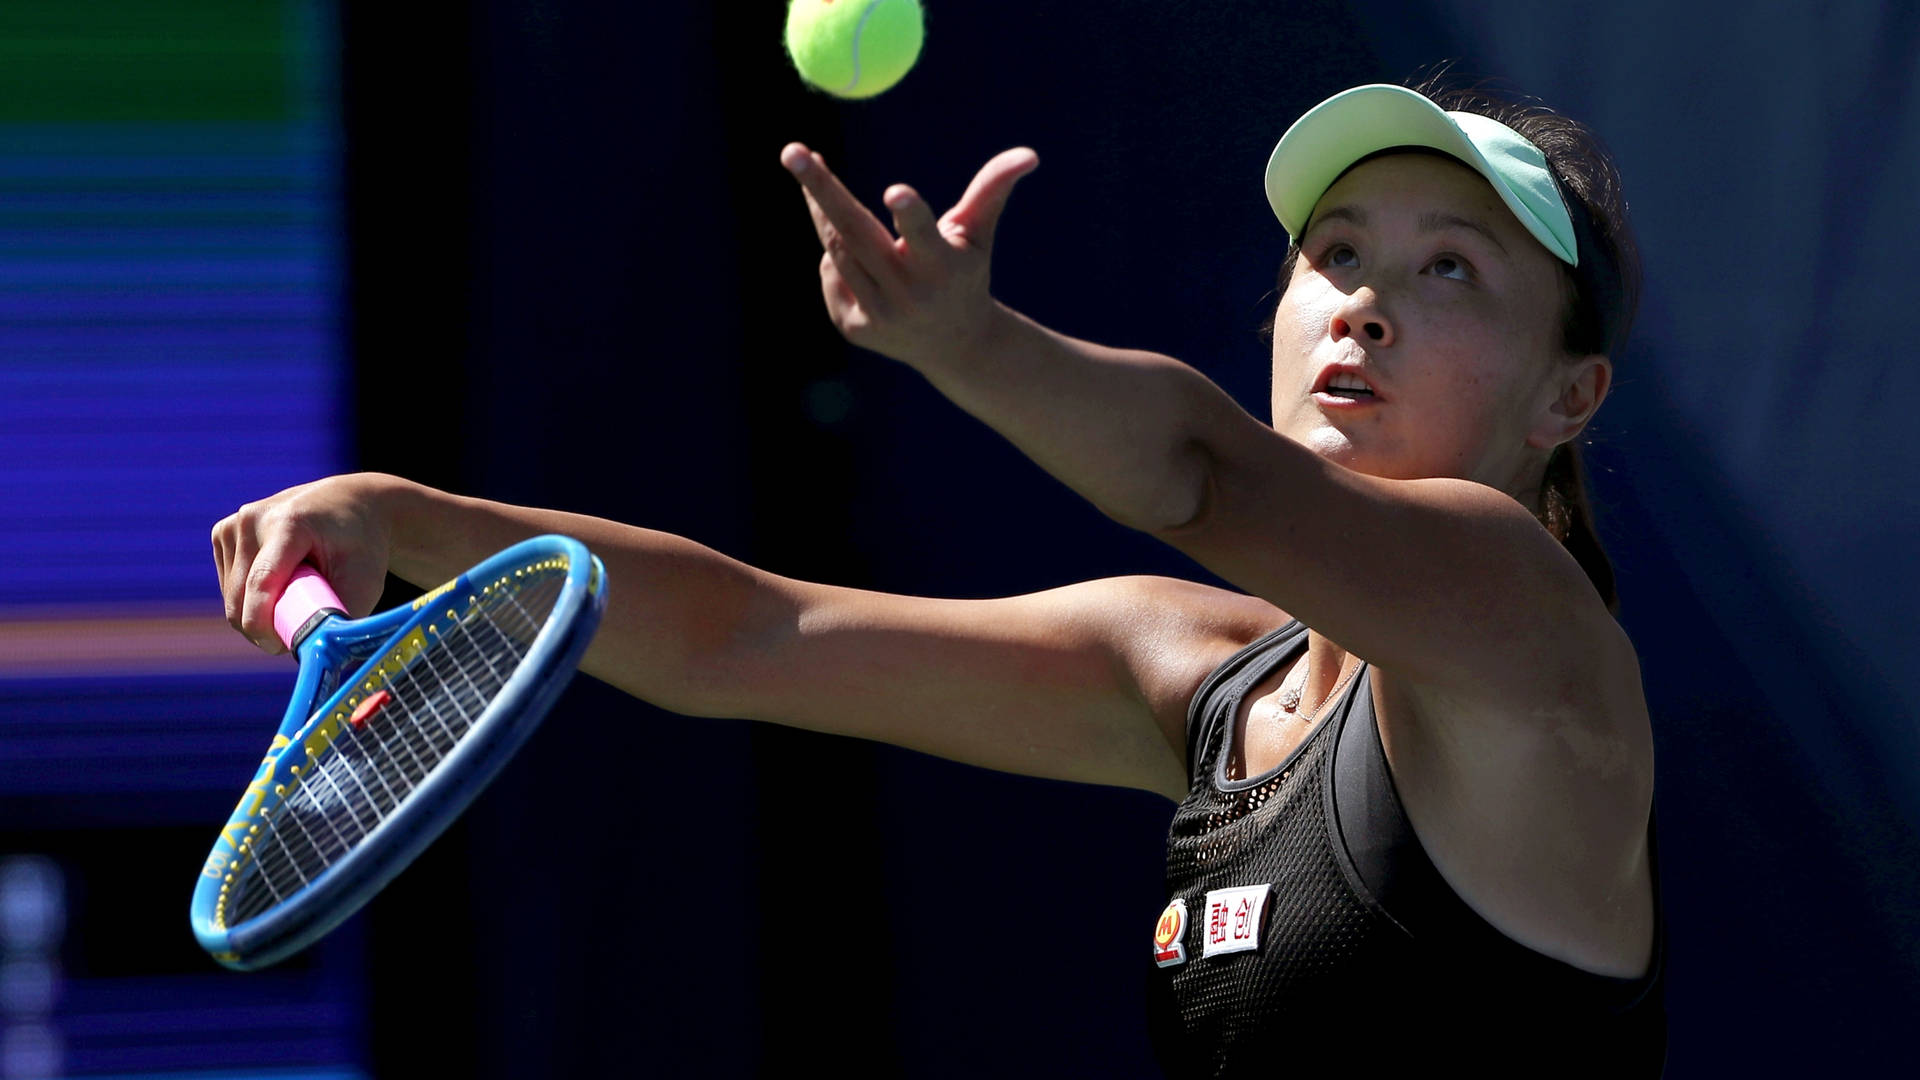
(1367, 119)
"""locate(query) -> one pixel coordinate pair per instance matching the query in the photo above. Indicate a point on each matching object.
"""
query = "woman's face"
(1416, 282)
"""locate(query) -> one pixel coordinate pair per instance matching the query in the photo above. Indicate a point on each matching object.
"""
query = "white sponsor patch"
(1169, 935)
(1233, 919)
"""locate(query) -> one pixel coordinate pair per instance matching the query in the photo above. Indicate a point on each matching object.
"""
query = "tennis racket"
(397, 722)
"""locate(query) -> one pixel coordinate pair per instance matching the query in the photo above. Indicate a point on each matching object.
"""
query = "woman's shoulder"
(1536, 814)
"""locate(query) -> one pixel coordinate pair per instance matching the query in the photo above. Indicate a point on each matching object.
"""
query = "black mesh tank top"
(1366, 960)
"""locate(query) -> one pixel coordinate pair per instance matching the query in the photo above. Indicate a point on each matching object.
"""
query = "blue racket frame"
(336, 658)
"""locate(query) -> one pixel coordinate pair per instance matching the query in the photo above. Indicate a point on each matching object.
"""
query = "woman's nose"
(1361, 316)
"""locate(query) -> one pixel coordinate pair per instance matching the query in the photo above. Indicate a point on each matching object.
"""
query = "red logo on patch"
(1168, 948)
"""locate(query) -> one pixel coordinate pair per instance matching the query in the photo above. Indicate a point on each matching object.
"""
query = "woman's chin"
(1342, 449)
(1333, 444)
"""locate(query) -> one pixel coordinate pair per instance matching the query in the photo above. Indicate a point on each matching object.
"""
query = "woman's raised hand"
(337, 524)
(923, 293)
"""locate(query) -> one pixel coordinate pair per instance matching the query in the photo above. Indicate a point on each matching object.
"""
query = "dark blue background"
(565, 227)
(568, 218)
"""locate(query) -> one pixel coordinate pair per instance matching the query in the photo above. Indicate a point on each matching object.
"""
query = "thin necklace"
(1290, 693)
(1290, 696)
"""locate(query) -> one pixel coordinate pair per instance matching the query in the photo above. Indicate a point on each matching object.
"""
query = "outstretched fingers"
(839, 219)
(847, 279)
(913, 290)
(923, 241)
(977, 213)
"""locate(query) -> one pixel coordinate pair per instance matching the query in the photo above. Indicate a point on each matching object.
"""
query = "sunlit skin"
(1508, 703)
(1412, 268)
(1414, 274)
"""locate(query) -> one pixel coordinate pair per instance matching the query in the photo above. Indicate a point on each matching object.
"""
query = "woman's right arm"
(1088, 682)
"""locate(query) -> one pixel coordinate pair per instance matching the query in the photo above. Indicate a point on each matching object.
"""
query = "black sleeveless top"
(1352, 951)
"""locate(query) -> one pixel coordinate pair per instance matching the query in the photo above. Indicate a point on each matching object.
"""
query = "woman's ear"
(1583, 385)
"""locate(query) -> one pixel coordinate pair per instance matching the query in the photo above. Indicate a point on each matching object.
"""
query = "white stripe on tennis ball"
(865, 18)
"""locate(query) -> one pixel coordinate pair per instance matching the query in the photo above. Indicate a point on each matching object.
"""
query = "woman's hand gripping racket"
(397, 722)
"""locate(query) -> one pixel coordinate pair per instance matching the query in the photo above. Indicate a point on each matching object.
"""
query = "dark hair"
(1590, 324)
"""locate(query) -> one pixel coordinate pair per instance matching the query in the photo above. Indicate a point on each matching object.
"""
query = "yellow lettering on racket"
(322, 736)
(436, 594)
(389, 668)
(256, 793)
(394, 663)
(235, 831)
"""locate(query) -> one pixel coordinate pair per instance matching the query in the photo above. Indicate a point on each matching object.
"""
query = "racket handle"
(307, 599)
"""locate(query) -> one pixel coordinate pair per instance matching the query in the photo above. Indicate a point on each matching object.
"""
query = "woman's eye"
(1341, 255)
(1449, 267)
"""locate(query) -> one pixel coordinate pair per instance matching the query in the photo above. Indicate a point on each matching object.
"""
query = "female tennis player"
(1412, 757)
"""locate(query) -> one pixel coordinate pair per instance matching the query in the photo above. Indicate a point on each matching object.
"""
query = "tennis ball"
(854, 48)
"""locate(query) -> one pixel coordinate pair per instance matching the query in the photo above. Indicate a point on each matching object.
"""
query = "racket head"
(354, 785)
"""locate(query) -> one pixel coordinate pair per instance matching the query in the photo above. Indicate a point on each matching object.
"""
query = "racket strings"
(369, 770)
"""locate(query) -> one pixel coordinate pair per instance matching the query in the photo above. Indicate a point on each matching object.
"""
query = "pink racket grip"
(307, 596)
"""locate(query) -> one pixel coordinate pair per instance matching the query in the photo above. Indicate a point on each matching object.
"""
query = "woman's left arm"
(1449, 584)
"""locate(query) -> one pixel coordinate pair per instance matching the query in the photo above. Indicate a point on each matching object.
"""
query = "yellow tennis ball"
(854, 48)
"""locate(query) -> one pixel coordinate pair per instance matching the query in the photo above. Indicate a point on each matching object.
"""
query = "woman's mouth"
(1344, 389)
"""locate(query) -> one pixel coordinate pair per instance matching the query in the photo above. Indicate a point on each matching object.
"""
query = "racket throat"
(307, 628)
